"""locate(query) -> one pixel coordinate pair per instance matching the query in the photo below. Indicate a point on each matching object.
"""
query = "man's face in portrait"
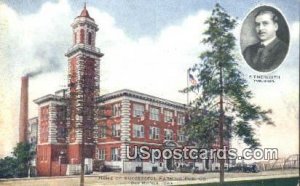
(265, 26)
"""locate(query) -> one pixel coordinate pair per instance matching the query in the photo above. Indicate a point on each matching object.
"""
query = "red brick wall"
(108, 122)
(74, 152)
(89, 98)
(108, 148)
(72, 85)
(161, 124)
(146, 122)
(56, 151)
(46, 155)
(44, 122)
(58, 169)
(43, 160)
(61, 123)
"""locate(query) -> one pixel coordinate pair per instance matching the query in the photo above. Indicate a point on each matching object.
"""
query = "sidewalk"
(110, 178)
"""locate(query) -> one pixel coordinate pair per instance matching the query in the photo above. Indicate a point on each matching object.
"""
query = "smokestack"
(23, 110)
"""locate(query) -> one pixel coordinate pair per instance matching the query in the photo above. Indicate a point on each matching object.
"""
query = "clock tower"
(83, 83)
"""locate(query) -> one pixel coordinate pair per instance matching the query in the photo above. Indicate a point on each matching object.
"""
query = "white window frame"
(138, 131)
(180, 136)
(116, 110)
(138, 110)
(181, 119)
(102, 131)
(116, 130)
(101, 154)
(168, 116)
(154, 133)
(115, 154)
(154, 113)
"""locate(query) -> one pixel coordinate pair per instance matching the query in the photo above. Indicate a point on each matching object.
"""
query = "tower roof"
(85, 13)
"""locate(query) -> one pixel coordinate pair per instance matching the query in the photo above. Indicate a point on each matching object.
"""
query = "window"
(34, 129)
(101, 154)
(75, 37)
(181, 136)
(115, 154)
(154, 133)
(138, 110)
(33, 140)
(81, 36)
(102, 131)
(154, 114)
(138, 131)
(116, 109)
(61, 114)
(168, 116)
(88, 133)
(181, 119)
(116, 130)
(168, 134)
(61, 132)
(90, 38)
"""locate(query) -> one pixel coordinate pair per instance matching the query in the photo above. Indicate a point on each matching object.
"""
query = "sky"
(148, 47)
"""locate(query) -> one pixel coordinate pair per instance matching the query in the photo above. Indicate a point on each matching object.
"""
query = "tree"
(23, 154)
(18, 165)
(8, 167)
(222, 108)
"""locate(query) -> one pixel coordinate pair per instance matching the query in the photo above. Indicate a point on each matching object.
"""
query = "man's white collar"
(265, 43)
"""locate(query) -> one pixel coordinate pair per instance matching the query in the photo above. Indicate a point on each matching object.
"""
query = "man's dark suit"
(266, 58)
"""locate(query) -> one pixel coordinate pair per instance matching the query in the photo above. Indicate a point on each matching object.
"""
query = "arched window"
(75, 37)
(81, 36)
(90, 38)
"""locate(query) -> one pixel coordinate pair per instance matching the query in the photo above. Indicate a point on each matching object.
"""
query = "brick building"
(32, 134)
(129, 118)
(68, 121)
(106, 124)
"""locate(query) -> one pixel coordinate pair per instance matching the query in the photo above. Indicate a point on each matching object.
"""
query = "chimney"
(23, 120)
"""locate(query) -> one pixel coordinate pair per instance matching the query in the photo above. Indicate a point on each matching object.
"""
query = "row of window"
(115, 154)
(139, 110)
(139, 132)
(82, 37)
(115, 131)
(154, 133)
(62, 132)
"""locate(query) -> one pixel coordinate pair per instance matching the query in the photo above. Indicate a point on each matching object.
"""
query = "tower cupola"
(84, 34)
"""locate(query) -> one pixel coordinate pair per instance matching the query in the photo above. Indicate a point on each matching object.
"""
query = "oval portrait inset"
(264, 39)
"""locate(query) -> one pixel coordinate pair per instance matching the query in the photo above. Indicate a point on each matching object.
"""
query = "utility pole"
(221, 124)
(82, 159)
(83, 113)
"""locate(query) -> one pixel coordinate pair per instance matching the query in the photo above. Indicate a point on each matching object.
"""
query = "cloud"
(37, 43)
(153, 65)
(33, 44)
